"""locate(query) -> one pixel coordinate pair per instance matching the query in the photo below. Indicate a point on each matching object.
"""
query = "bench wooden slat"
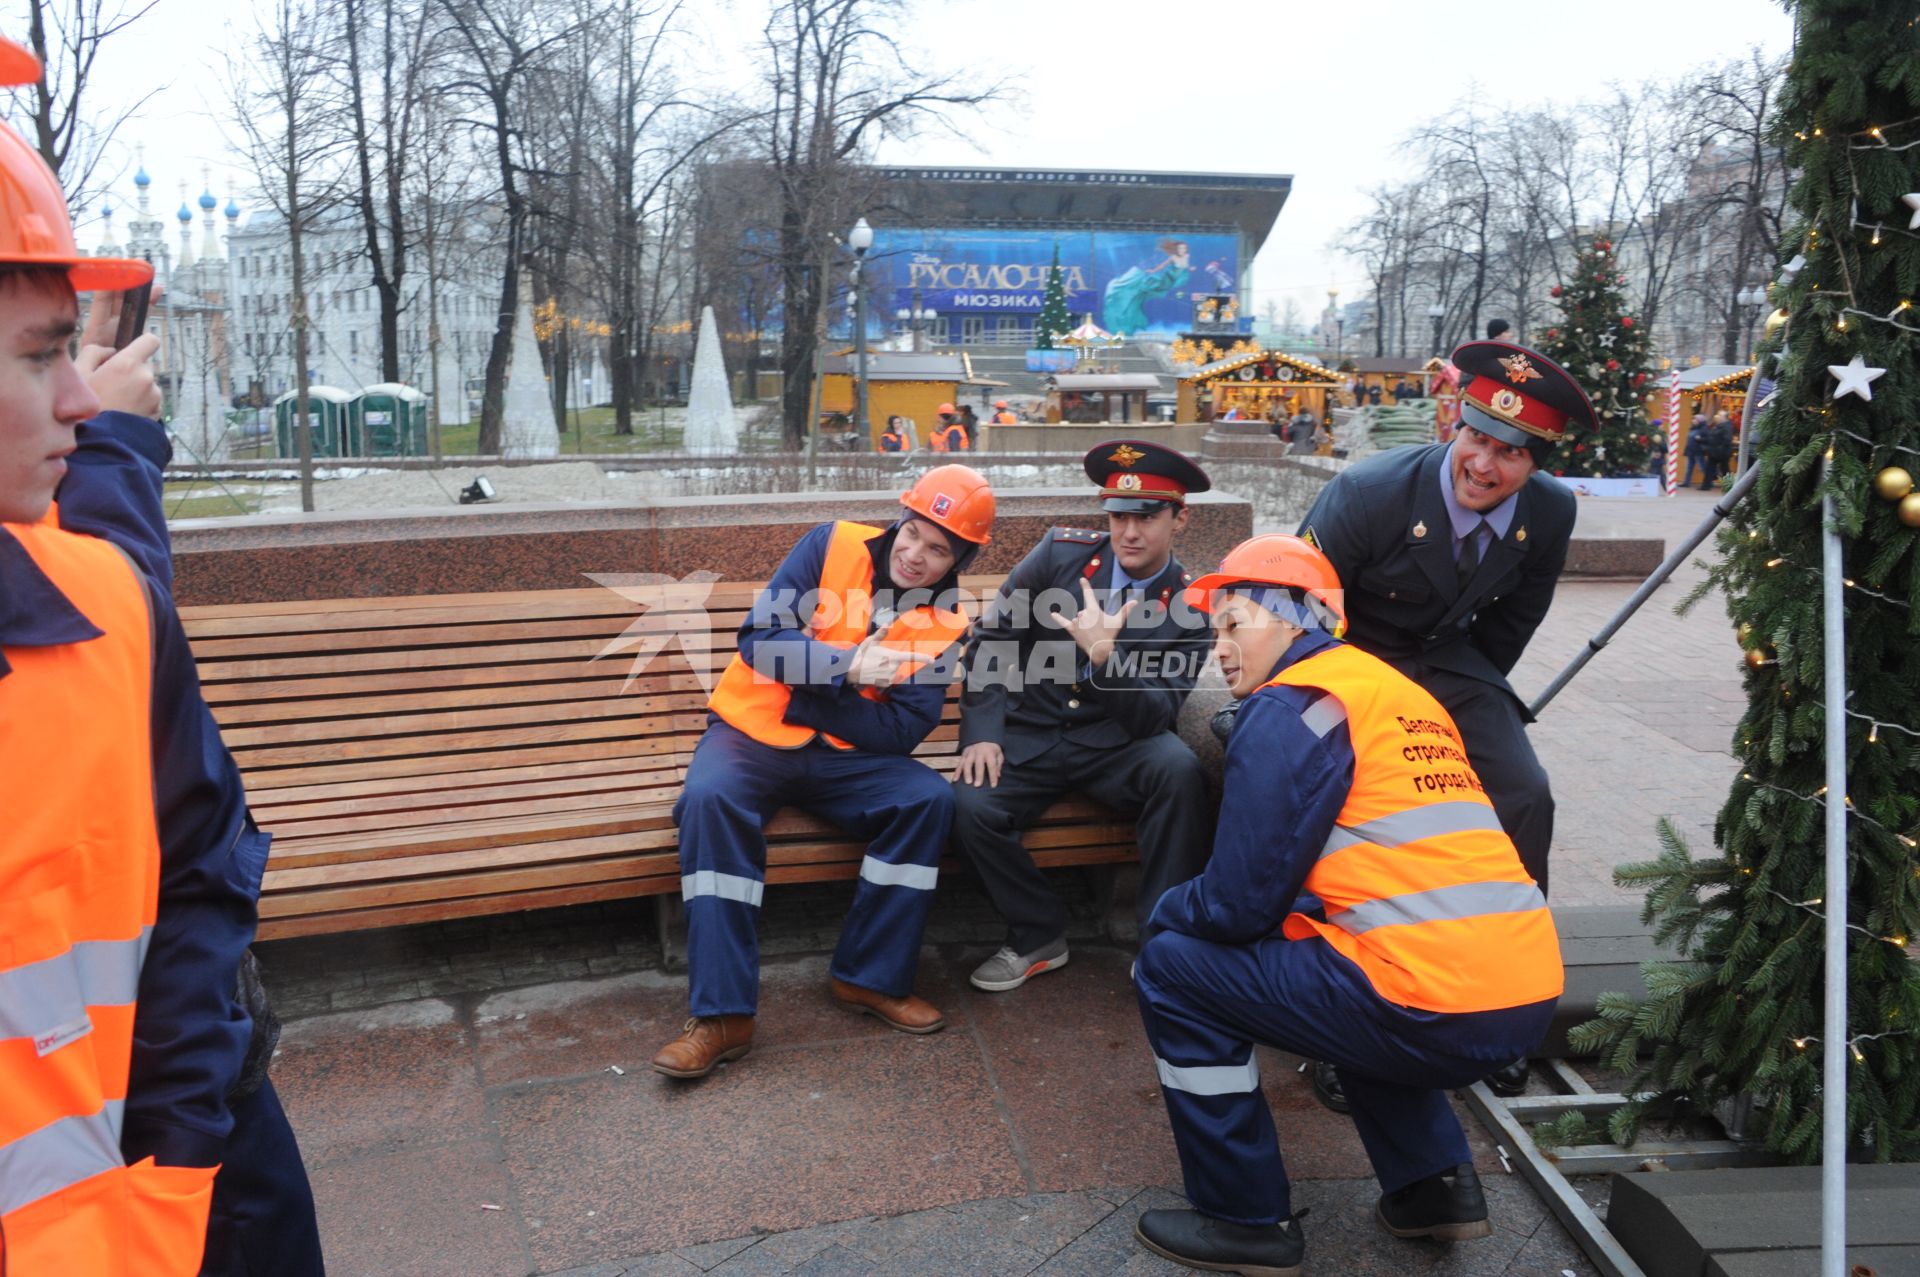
(450, 755)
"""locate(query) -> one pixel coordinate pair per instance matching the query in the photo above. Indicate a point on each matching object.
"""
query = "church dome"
(185, 214)
(207, 202)
(232, 209)
(141, 179)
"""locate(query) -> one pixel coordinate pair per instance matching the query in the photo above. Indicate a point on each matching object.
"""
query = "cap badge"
(1420, 529)
(942, 504)
(1127, 482)
(1126, 455)
(1507, 401)
(1519, 369)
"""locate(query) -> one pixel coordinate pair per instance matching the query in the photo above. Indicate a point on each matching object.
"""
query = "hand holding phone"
(133, 315)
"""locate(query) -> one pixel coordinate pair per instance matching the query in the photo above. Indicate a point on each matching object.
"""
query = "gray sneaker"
(1009, 970)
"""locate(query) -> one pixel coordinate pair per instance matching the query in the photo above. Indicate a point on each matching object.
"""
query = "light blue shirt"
(1464, 521)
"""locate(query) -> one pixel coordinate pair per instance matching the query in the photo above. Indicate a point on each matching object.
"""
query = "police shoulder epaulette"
(1079, 536)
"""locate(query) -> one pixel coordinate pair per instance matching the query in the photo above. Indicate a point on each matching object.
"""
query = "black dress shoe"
(1509, 1079)
(1327, 1088)
(1201, 1241)
(1448, 1207)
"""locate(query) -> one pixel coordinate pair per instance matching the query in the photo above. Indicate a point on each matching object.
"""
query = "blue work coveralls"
(1219, 977)
(262, 1219)
(876, 790)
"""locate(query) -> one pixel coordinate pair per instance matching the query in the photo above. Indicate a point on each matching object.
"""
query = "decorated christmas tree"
(1605, 349)
(1743, 1014)
(1054, 320)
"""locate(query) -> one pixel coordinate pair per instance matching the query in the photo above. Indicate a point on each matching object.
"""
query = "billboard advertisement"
(1131, 282)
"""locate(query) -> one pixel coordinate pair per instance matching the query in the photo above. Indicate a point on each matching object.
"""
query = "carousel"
(1256, 385)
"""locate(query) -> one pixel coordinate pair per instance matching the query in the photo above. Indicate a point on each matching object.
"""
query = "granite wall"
(475, 549)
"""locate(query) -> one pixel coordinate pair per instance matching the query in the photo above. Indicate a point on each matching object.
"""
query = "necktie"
(1470, 555)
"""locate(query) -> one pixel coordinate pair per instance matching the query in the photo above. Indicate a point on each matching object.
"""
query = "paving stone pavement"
(472, 1097)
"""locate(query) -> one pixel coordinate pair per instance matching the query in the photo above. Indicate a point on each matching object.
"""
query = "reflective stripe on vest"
(751, 702)
(58, 1154)
(1423, 889)
(79, 890)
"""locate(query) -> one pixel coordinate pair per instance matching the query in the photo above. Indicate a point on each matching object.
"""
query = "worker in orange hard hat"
(1426, 951)
(1003, 415)
(951, 434)
(841, 673)
(128, 884)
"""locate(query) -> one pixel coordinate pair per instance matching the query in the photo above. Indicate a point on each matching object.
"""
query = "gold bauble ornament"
(1910, 509)
(1756, 658)
(1776, 319)
(1744, 633)
(1892, 483)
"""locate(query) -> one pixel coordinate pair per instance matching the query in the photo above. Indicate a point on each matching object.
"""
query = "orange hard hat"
(1274, 559)
(945, 410)
(999, 403)
(35, 227)
(957, 498)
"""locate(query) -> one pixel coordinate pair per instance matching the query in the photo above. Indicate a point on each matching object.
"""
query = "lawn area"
(206, 499)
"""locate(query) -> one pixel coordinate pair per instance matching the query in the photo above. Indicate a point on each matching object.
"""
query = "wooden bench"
(448, 756)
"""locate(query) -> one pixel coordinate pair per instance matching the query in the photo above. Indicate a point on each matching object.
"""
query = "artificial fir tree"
(1054, 321)
(1744, 1013)
(1604, 347)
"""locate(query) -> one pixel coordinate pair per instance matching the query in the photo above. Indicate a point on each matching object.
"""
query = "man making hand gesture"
(1075, 679)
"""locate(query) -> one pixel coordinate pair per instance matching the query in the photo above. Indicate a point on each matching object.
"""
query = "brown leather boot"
(909, 1014)
(706, 1041)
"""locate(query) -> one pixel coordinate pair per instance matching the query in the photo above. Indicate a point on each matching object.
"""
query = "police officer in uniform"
(1362, 904)
(1075, 678)
(1450, 554)
(841, 672)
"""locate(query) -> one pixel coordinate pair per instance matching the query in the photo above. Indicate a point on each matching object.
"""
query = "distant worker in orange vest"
(951, 434)
(128, 866)
(1003, 415)
(894, 437)
(841, 673)
(1370, 911)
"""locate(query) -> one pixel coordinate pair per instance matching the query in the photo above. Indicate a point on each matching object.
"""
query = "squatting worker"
(1450, 554)
(1075, 679)
(842, 670)
(128, 872)
(1362, 905)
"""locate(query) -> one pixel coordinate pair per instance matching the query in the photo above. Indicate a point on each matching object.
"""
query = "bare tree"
(280, 99)
(384, 103)
(71, 136)
(503, 41)
(838, 81)
(1741, 173)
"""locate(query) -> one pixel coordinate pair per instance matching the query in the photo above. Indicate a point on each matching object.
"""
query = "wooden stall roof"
(1307, 372)
(1710, 379)
(1103, 381)
(895, 365)
(1392, 365)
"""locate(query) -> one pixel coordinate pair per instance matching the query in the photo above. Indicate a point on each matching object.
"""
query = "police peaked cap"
(1521, 397)
(1137, 477)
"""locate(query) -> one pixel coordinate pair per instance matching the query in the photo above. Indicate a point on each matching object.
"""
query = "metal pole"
(1746, 417)
(860, 350)
(1721, 509)
(1833, 1038)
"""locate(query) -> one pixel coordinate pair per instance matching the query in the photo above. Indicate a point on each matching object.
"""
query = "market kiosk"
(1255, 386)
(1089, 397)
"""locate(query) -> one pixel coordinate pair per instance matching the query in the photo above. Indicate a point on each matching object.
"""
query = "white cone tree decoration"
(711, 428)
(527, 428)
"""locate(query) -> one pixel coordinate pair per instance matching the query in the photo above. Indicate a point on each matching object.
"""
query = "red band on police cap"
(1504, 403)
(1149, 487)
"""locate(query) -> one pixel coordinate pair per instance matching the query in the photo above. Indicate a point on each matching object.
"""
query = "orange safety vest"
(1005, 417)
(892, 441)
(951, 438)
(1424, 891)
(757, 705)
(79, 892)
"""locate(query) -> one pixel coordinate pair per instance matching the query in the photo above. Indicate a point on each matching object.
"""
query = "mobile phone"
(133, 315)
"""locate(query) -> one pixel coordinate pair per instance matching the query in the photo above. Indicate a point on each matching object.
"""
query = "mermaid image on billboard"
(1125, 305)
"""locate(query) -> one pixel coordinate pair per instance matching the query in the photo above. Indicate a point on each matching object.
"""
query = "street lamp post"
(1339, 328)
(1751, 299)
(860, 239)
(1436, 312)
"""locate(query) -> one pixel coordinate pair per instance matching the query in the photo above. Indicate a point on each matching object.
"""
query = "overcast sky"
(1322, 91)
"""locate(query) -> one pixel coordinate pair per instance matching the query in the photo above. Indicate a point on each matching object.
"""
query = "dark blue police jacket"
(1384, 525)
